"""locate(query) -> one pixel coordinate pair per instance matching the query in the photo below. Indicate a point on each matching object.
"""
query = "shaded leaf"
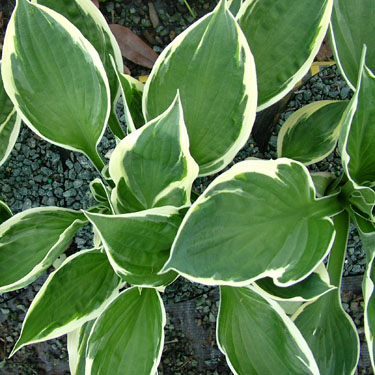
(71, 296)
(132, 91)
(133, 47)
(259, 219)
(369, 307)
(282, 60)
(257, 337)
(30, 242)
(128, 337)
(219, 113)
(308, 289)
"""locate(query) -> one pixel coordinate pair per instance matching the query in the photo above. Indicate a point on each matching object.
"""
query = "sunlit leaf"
(71, 296)
(152, 166)
(30, 242)
(257, 337)
(128, 337)
(259, 219)
(139, 244)
(311, 133)
(284, 36)
(211, 65)
(53, 75)
(352, 26)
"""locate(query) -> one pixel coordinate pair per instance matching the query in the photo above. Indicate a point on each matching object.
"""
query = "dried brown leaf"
(133, 47)
(96, 2)
(153, 15)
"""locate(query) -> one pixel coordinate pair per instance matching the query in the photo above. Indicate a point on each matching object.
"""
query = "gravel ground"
(40, 174)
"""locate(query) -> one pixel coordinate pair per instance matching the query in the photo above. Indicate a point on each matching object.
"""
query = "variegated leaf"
(352, 26)
(152, 166)
(211, 65)
(139, 244)
(30, 242)
(311, 133)
(71, 296)
(259, 219)
(53, 75)
(284, 36)
(128, 337)
(257, 336)
(92, 24)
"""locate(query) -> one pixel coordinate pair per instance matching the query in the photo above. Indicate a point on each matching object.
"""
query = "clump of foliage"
(261, 230)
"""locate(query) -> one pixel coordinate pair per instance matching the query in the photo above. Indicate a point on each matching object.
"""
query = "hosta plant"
(269, 233)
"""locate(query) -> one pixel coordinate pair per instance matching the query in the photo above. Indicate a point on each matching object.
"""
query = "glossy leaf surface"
(257, 337)
(219, 102)
(258, 219)
(30, 242)
(311, 133)
(72, 295)
(152, 166)
(282, 60)
(127, 339)
(139, 244)
(352, 27)
(53, 75)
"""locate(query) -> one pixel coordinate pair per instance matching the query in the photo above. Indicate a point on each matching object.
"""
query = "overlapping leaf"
(356, 142)
(258, 219)
(311, 133)
(53, 75)
(30, 242)
(308, 289)
(213, 68)
(71, 296)
(284, 36)
(328, 330)
(352, 26)
(128, 337)
(77, 344)
(139, 244)
(152, 166)
(10, 124)
(5, 212)
(257, 337)
(90, 21)
(132, 90)
(330, 334)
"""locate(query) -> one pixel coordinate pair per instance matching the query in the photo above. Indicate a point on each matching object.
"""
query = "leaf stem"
(337, 255)
(193, 14)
